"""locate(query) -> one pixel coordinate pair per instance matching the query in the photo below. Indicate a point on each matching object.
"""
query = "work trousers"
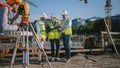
(66, 43)
(57, 43)
(40, 52)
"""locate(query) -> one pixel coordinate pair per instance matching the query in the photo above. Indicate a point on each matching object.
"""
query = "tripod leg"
(40, 54)
(40, 45)
(15, 50)
(27, 45)
(26, 50)
(23, 40)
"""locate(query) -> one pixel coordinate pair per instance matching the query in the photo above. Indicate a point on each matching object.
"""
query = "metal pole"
(26, 49)
(24, 45)
(15, 50)
(103, 42)
(27, 44)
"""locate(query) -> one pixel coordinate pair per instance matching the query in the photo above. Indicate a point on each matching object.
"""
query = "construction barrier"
(76, 42)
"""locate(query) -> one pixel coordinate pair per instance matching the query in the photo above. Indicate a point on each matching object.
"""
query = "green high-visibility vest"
(67, 31)
(53, 34)
(42, 28)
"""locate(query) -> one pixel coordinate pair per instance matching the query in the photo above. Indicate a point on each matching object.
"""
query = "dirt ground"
(107, 60)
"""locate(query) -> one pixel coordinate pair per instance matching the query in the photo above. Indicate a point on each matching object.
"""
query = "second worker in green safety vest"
(41, 32)
(54, 36)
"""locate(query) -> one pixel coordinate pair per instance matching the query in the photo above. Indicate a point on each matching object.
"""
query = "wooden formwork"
(11, 39)
(3, 52)
(106, 41)
(4, 39)
(6, 52)
(48, 52)
(35, 50)
(75, 43)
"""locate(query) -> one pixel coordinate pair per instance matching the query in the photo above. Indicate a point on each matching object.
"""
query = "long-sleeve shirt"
(38, 30)
(4, 20)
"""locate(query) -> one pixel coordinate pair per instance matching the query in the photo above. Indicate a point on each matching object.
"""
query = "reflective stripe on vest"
(44, 34)
(68, 31)
(6, 5)
(53, 35)
(51, 25)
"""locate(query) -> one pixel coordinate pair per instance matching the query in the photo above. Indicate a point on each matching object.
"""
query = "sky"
(75, 8)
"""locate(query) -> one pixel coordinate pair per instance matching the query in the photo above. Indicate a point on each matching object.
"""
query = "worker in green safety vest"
(54, 36)
(41, 32)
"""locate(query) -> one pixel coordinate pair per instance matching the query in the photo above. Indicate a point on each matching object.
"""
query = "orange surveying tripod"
(24, 11)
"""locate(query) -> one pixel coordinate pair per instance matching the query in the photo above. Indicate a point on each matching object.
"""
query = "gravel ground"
(77, 61)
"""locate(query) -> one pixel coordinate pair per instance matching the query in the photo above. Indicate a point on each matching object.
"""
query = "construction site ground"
(78, 60)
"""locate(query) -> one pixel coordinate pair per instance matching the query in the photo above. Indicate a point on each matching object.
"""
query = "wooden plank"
(116, 39)
(8, 36)
(104, 32)
(117, 43)
(61, 51)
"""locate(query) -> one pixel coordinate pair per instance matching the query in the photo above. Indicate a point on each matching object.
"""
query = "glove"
(11, 21)
(41, 39)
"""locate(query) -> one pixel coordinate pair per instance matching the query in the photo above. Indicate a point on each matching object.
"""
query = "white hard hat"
(53, 15)
(43, 15)
(65, 12)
